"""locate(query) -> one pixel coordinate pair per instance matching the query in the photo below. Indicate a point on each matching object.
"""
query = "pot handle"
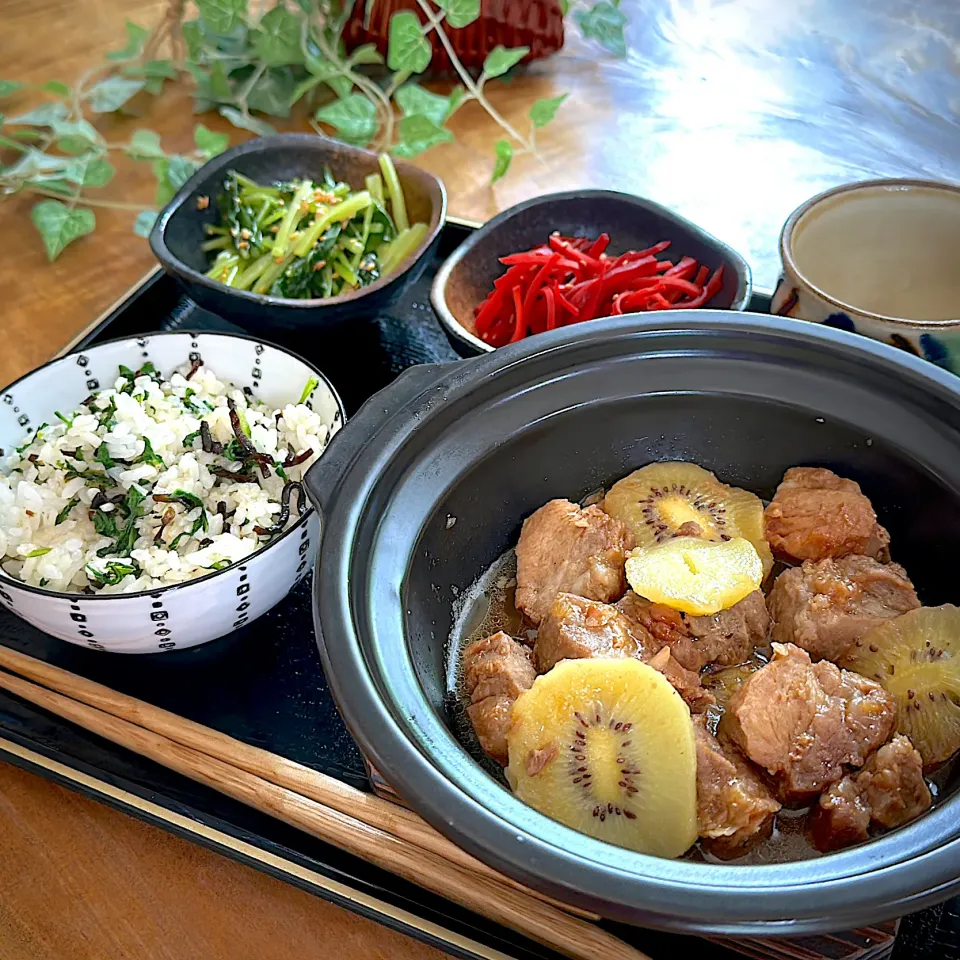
(325, 476)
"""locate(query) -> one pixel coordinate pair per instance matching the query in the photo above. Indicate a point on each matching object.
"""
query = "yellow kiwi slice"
(607, 748)
(916, 658)
(695, 576)
(664, 500)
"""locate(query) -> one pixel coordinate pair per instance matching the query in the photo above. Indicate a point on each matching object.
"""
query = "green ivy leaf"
(36, 166)
(304, 87)
(365, 55)
(9, 87)
(342, 86)
(208, 143)
(75, 137)
(56, 87)
(111, 94)
(460, 13)
(192, 31)
(407, 47)
(273, 93)
(254, 124)
(317, 63)
(354, 117)
(504, 154)
(277, 42)
(179, 170)
(136, 37)
(604, 23)
(500, 60)
(220, 82)
(60, 186)
(59, 225)
(144, 223)
(153, 73)
(165, 191)
(419, 133)
(172, 173)
(457, 96)
(145, 145)
(222, 16)
(543, 111)
(43, 116)
(414, 100)
(93, 172)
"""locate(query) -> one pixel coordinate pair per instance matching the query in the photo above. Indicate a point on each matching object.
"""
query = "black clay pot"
(487, 441)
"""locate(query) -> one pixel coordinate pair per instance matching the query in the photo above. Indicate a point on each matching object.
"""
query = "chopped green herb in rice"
(154, 481)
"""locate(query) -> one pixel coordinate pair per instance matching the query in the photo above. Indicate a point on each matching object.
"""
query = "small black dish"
(177, 235)
(632, 222)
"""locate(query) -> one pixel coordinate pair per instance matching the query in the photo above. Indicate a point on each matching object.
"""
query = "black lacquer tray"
(263, 685)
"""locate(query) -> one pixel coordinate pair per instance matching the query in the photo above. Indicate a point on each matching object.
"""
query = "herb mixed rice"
(154, 482)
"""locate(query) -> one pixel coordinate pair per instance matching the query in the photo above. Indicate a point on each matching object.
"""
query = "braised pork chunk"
(724, 638)
(805, 722)
(575, 629)
(815, 515)
(888, 792)
(497, 669)
(826, 606)
(735, 808)
(563, 549)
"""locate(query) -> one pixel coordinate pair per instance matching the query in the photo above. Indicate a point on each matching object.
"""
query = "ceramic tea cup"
(880, 258)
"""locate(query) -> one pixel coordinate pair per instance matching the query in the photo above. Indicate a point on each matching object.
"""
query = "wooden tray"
(264, 685)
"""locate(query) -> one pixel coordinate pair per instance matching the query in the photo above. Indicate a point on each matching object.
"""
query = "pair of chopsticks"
(382, 833)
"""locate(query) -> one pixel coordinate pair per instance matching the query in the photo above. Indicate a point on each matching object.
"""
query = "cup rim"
(790, 264)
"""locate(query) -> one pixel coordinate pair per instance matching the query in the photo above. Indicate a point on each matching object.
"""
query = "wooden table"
(731, 132)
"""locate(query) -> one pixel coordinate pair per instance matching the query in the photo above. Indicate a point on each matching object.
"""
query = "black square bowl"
(177, 235)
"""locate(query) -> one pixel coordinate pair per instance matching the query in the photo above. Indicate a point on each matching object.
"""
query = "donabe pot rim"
(900, 872)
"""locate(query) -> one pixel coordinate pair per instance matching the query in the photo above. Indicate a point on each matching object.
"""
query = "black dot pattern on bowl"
(160, 617)
(243, 592)
(304, 550)
(83, 628)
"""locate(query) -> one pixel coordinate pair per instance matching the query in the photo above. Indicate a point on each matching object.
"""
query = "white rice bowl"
(66, 522)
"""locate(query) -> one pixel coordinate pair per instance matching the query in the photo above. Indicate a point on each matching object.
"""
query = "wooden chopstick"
(488, 897)
(372, 810)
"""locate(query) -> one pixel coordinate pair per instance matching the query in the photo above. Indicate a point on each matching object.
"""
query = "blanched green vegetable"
(305, 239)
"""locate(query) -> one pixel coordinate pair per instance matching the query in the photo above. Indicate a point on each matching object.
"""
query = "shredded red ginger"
(572, 279)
